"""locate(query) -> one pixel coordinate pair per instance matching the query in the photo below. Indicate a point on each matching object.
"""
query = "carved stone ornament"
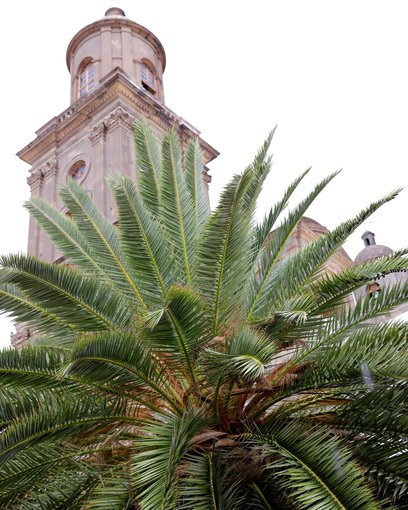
(34, 180)
(50, 168)
(119, 117)
(97, 131)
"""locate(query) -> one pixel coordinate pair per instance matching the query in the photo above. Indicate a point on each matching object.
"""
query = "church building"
(116, 71)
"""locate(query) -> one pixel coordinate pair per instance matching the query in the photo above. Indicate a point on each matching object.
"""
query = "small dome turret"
(372, 251)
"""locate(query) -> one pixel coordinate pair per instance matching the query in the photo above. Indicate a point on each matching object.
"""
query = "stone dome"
(371, 250)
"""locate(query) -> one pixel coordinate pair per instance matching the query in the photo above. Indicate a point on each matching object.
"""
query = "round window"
(77, 170)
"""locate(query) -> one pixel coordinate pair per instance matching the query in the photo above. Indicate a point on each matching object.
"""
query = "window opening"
(148, 79)
(374, 290)
(78, 170)
(86, 79)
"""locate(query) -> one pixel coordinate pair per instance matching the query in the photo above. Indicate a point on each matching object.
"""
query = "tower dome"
(372, 251)
(115, 42)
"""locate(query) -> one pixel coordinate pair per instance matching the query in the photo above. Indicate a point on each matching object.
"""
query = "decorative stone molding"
(97, 131)
(119, 117)
(206, 178)
(34, 180)
(50, 168)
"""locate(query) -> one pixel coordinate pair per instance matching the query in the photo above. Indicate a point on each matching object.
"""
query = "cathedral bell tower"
(116, 69)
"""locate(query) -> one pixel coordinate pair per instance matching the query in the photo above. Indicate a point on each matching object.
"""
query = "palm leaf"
(181, 331)
(22, 309)
(160, 453)
(144, 242)
(259, 168)
(121, 360)
(111, 492)
(224, 253)
(148, 165)
(262, 231)
(306, 263)
(195, 184)
(315, 468)
(64, 234)
(67, 293)
(246, 355)
(177, 210)
(51, 422)
(263, 276)
(101, 234)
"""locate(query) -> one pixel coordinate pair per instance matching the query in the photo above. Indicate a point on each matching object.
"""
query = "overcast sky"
(332, 75)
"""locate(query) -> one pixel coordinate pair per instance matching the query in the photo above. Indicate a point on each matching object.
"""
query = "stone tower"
(116, 68)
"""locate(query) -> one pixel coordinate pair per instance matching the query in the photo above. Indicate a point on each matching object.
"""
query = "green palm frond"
(21, 308)
(379, 349)
(203, 367)
(330, 291)
(224, 253)
(262, 231)
(177, 210)
(349, 320)
(195, 184)
(160, 453)
(101, 234)
(66, 293)
(113, 492)
(120, 360)
(69, 417)
(306, 263)
(144, 242)
(27, 471)
(148, 165)
(246, 355)
(200, 487)
(209, 483)
(261, 282)
(65, 235)
(31, 367)
(315, 467)
(65, 491)
(181, 330)
(259, 168)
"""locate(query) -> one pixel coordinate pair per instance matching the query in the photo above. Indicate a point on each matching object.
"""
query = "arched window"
(86, 78)
(148, 78)
(373, 290)
(77, 170)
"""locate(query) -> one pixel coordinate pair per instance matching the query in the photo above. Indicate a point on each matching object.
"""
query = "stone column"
(47, 250)
(35, 182)
(120, 157)
(95, 182)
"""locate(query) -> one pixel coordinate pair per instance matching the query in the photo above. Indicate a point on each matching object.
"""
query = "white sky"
(331, 74)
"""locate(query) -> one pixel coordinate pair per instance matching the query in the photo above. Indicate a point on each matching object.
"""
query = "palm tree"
(182, 363)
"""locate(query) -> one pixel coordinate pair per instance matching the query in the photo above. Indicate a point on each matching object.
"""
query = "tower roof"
(115, 17)
(371, 250)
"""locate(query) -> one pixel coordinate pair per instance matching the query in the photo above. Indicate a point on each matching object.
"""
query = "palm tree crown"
(182, 363)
